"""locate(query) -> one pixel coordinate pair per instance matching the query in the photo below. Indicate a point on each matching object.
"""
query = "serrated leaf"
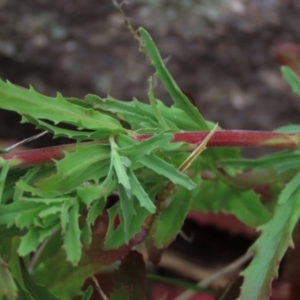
(270, 247)
(28, 217)
(88, 162)
(30, 102)
(120, 164)
(180, 100)
(153, 104)
(90, 193)
(140, 193)
(86, 234)
(72, 243)
(8, 288)
(217, 196)
(69, 279)
(29, 242)
(290, 188)
(172, 218)
(37, 291)
(95, 210)
(57, 131)
(9, 212)
(161, 167)
(127, 209)
(288, 160)
(116, 238)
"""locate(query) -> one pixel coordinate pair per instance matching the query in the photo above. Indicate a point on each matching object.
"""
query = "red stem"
(225, 138)
(237, 138)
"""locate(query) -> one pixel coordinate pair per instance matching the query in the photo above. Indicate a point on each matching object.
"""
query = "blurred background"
(220, 51)
(223, 52)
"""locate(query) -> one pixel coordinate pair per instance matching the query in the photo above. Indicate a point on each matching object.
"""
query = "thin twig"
(130, 27)
(209, 280)
(103, 296)
(32, 138)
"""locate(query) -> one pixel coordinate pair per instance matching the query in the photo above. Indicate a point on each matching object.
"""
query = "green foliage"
(63, 221)
(270, 247)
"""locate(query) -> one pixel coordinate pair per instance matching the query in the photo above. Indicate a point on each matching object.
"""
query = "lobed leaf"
(180, 100)
(72, 242)
(161, 167)
(217, 196)
(270, 247)
(88, 162)
(168, 223)
(29, 102)
(139, 192)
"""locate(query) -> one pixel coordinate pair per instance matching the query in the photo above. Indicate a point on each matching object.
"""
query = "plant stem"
(237, 138)
(225, 138)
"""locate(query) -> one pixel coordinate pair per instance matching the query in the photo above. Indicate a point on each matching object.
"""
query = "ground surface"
(221, 51)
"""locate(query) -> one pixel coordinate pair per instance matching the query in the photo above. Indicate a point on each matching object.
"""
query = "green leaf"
(127, 209)
(270, 247)
(8, 288)
(180, 100)
(30, 102)
(37, 291)
(172, 218)
(72, 242)
(79, 135)
(290, 189)
(10, 181)
(95, 210)
(3, 174)
(288, 160)
(291, 78)
(86, 234)
(89, 162)
(29, 242)
(140, 193)
(88, 293)
(144, 147)
(217, 196)
(161, 167)
(288, 129)
(90, 193)
(9, 212)
(116, 238)
(153, 104)
(120, 164)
